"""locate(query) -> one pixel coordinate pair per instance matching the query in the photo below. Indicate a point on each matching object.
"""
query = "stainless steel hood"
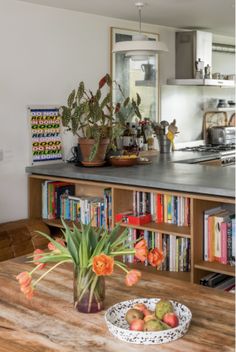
(226, 83)
(191, 46)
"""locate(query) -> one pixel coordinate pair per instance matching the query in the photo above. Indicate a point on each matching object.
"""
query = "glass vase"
(89, 290)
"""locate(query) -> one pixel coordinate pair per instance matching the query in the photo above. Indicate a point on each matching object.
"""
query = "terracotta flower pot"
(86, 146)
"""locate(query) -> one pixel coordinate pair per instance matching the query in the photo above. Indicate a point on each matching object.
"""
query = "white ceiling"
(217, 16)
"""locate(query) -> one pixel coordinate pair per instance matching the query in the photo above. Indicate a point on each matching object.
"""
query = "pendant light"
(139, 46)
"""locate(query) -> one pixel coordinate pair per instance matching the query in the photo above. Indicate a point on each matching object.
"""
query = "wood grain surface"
(49, 322)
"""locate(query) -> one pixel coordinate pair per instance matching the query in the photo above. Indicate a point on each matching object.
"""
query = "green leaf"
(71, 98)
(109, 80)
(114, 233)
(126, 102)
(101, 243)
(106, 100)
(56, 244)
(138, 99)
(94, 151)
(80, 91)
(65, 116)
(98, 95)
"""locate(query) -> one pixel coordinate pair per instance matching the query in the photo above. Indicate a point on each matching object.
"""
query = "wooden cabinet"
(122, 201)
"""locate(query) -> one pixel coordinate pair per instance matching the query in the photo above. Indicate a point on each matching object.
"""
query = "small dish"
(144, 161)
(123, 160)
(118, 326)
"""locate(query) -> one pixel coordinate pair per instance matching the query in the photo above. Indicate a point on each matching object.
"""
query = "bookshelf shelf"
(57, 223)
(170, 229)
(216, 267)
(122, 201)
(184, 276)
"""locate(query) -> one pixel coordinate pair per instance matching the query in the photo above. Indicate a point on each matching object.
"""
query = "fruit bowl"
(118, 326)
(123, 160)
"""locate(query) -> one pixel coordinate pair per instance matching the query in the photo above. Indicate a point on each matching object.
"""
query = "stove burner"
(209, 148)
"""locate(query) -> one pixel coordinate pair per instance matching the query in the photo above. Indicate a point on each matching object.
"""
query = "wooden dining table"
(49, 322)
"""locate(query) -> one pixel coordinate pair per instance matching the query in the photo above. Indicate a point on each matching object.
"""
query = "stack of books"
(59, 200)
(219, 235)
(163, 207)
(176, 250)
(220, 281)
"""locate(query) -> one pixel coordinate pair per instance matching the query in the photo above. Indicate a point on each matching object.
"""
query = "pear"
(165, 326)
(133, 314)
(163, 307)
(152, 325)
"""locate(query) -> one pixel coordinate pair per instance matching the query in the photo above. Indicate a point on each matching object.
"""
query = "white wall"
(44, 53)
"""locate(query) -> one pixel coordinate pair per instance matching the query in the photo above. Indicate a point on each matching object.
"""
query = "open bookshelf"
(122, 200)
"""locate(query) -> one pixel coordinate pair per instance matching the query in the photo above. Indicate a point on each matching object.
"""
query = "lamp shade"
(139, 45)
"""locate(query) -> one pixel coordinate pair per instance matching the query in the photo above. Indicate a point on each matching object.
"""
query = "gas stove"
(209, 148)
(223, 154)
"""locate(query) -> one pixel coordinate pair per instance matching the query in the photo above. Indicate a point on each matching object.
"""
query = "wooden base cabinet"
(122, 200)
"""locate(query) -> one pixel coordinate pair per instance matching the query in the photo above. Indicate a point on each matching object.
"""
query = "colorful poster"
(45, 135)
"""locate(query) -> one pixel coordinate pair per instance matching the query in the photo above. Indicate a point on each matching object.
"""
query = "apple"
(171, 319)
(140, 306)
(133, 314)
(147, 312)
(137, 325)
(149, 317)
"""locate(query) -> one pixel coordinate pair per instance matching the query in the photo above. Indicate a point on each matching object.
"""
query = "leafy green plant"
(95, 116)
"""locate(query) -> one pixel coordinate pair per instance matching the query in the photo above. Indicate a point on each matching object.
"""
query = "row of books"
(59, 200)
(163, 207)
(219, 235)
(176, 250)
(220, 281)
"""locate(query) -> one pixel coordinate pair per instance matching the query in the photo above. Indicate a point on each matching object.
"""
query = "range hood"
(190, 46)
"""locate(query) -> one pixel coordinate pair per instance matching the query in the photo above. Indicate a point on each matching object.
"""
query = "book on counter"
(219, 235)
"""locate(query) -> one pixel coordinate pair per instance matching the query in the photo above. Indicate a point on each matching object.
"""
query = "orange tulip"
(37, 256)
(28, 291)
(132, 277)
(155, 257)
(24, 278)
(141, 250)
(103, 264)
(52, 247)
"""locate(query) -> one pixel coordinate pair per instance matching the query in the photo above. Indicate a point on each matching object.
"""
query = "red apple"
(171, 319)
(140, 306)
(137, 325)
(147, 312)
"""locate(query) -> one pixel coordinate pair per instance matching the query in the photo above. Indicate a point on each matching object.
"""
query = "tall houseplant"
(95, 119)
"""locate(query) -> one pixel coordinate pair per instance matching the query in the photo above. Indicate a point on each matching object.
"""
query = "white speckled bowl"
(118, 326)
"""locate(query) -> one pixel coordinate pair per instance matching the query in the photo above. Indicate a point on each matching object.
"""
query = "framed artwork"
(136, 74)
(45, 134)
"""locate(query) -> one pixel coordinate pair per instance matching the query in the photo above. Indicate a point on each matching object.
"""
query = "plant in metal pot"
(96, 120)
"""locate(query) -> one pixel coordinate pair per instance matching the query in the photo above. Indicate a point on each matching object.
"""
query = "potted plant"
(96, 120)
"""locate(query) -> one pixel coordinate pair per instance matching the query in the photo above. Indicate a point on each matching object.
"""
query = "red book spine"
(159, 208)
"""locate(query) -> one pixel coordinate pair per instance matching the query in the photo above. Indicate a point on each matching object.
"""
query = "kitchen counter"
(168, 171)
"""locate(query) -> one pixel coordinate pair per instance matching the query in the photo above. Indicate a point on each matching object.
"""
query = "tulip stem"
(47, 272)
(121, 266)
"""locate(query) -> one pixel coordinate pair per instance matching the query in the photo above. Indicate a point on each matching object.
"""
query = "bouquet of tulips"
(94, 253)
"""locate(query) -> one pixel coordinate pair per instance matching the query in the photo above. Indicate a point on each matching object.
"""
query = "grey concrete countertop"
(167, 171)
